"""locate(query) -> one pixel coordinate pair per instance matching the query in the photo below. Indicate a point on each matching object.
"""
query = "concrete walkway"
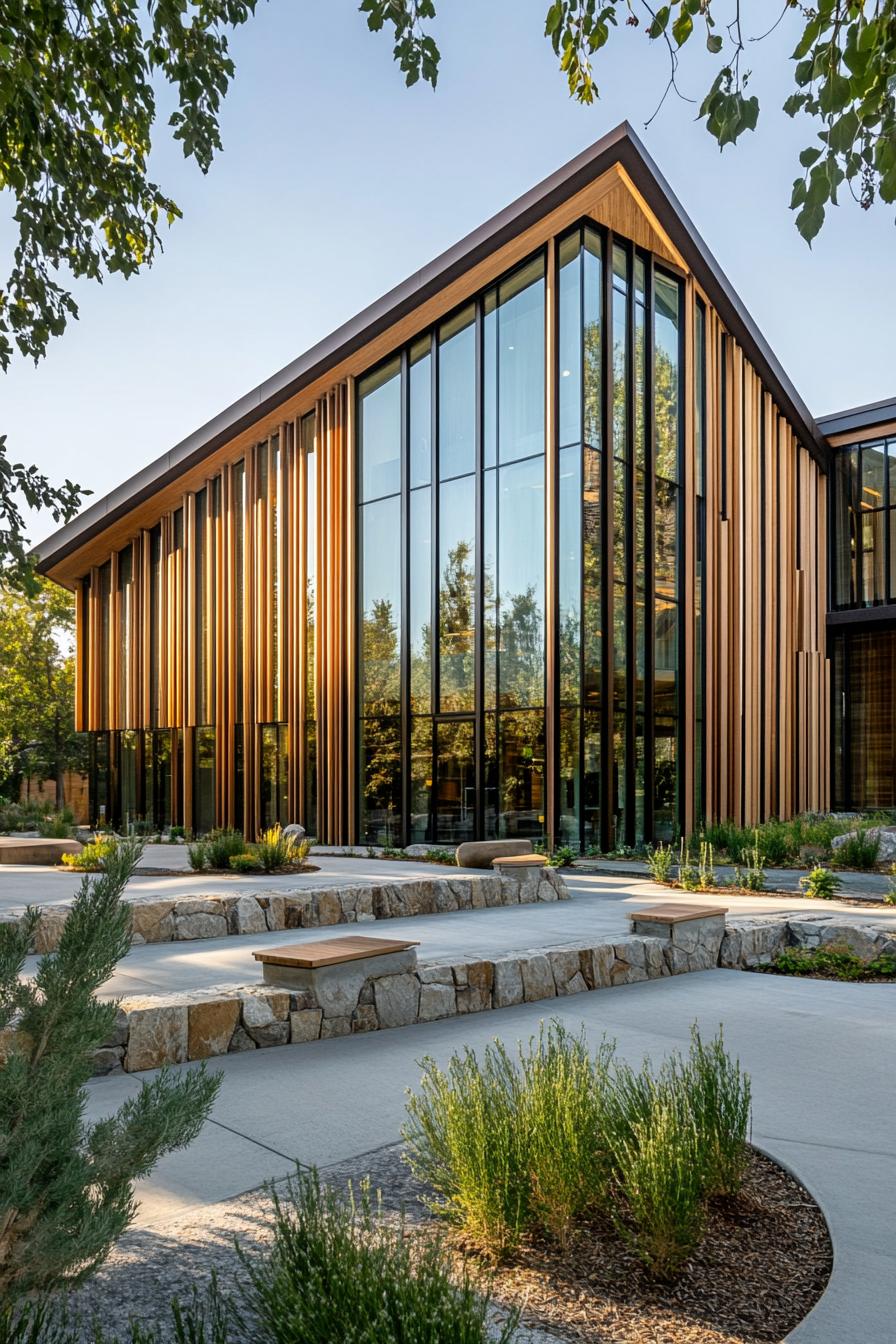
(822, 1057)
(863, 886)
(600, 905)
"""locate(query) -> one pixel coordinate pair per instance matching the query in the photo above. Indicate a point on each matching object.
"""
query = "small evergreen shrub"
(562, 857)
(336, 1272)
(659, 863)
(860, 851)
(820, 884)
(57, 825)
(216, 849)
(95, 855)
(176, 833)
(247, 862)
(67, 1186)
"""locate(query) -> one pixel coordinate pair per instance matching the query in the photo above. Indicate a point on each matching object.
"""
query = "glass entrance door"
(454, 795)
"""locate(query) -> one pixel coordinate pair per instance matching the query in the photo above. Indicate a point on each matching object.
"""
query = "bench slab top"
(675, 913)
(331, 951)
(519, 861)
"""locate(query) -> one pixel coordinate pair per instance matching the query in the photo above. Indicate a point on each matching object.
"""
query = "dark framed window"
(864, 518)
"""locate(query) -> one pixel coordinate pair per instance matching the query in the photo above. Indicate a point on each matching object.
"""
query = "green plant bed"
(832, 963)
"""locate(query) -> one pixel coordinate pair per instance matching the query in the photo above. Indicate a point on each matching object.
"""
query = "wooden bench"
(512, 861)
(335, 968)
(331, 951)
(676, 913)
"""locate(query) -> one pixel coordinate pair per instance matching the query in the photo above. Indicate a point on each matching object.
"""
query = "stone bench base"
(157, 920)
(170, 1029)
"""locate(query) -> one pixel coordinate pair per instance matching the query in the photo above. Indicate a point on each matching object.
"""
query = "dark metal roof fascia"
(858, 417)
(620, 145)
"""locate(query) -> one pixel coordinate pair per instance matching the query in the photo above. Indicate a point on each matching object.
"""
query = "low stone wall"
(170, 1029)
(155, 920)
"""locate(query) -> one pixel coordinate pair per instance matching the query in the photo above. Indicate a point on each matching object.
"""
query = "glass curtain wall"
(619, 555)
(864, 681)
(451, 527)
(865, 525)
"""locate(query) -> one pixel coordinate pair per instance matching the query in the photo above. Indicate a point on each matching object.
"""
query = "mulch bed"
(763, 1263)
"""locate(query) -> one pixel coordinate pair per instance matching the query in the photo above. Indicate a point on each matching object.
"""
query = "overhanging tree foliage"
(844, 74)
(37, 689)
(67, 1186)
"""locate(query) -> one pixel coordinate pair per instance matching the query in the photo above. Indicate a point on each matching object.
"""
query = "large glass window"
(203, 779)
(667, 432)
(274, 775)
(457, 395)
(865, 719)
(457, 594)
(380, 432)
(310, 743)
(865, 524)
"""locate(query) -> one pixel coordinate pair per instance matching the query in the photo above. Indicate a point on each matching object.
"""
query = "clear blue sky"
(336, 182)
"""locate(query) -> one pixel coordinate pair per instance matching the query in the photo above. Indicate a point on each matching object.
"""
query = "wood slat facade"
(232, 602)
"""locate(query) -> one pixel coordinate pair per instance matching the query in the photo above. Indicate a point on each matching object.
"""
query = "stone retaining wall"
(170, 1029)
(215, 916)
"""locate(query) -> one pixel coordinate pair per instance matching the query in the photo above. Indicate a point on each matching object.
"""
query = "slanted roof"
(858, 418)
(620, 147)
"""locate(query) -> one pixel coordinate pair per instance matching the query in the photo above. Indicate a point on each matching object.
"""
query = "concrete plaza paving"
(599, 907)
(822, 1057)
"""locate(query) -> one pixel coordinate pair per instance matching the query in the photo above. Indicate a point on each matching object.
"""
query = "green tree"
(37, 689)
(79, 81)
(844, 74)
(67, 1186)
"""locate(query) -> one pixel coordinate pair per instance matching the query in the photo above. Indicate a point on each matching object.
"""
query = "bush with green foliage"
(246, 862)
(95, 855)
(562, 857)
(659, 862)
(338, 1272)
(752, 878)
(274, 850)
(833, 962)
(820, 884)
(542, 1143)
(861, 850)
(216, 849)
(57, 825)
(67, 1186)
(25, 816)
(890, 893)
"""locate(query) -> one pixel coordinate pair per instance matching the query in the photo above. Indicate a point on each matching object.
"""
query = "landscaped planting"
(93, 857)
(533, 1146)
(832, 963)
(807, 838)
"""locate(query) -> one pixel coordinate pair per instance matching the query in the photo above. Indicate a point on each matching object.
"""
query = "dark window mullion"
(629, 542)
(479, 585)
(649, 555)
(404, 629)
(580, 710)
(606, 545)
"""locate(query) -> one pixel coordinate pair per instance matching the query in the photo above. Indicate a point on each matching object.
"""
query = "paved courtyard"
(822, 1058)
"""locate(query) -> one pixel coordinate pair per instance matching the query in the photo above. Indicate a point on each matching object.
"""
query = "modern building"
(537, 544)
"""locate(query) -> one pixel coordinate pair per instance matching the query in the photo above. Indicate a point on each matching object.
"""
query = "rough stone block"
(397, 999)
(274, 1033)
(436, 1000)
(153, 920)
(602, 962)
(335, 1026)
(364, 1018)
(508, 983)
(241, 1041)
(199, 925)
(108, 1060)
(275, 913)
(210, 1027)
(565, 967)
(435, 975)
(246, 916)
(305, 1024)
(538, 980)
(158, 1033)
(49, 930)
(327, 909)
(298, 909)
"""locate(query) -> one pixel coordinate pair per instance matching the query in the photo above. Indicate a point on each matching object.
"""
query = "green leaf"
(660, 22)
(810, 156)
(713, 43)
(809, 221)
(682, 28)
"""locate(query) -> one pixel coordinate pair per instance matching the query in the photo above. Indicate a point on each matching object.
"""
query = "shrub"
(538, 1145)
(216, 849)
(688, 873)
(57, 825)
(659, 1177)
(247, 862)
(659, 862)
(95, 855)
(176, 833)
(834, 962)
(890, 893)
(753, 876)
(821, 884)
(861, 850)
(336, 1272)
(562, 857)
(706, 873)
(275, 850)
(67, 1186)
